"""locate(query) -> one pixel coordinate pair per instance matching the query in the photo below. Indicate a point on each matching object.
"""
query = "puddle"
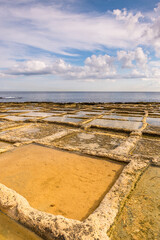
(79, 114)
(116, 124)
(61, 111)
(84, 114)
(53, 119)
(16, 118)
(63, 183)
(11, 230)
(75, 120)
(37, 114)
(130, 113)
(63, 119)
(94, 113)
(58, 111)
(17, 111)
(153, 121)
(129, 118)
(140, 217)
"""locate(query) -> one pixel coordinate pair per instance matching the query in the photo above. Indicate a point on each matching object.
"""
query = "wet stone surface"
(18, 118)
(37, 114)
(148, 147)
(140, 218)
(91, 141)
(6, 125)
(153, 121)
(64, 119)
(153, 125)
(63, 183)
(151, 128)
(31, 131)
(112, 145)
(116, 124)
(10, 230)
(85, 114)
(123, 117)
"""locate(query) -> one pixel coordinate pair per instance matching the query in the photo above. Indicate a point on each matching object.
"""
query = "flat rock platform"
(58, 182)
(81, 171)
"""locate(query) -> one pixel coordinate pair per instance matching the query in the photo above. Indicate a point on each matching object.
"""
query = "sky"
(79, 45)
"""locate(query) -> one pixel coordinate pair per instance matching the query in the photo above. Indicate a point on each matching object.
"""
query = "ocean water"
(64, 97)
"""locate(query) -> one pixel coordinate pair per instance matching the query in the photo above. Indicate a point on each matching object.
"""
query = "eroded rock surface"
(140, 217)
(125, 132)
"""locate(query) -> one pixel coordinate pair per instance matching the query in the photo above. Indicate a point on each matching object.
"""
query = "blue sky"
(72, 45)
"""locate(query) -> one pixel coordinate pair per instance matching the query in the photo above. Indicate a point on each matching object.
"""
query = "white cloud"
(152, 32)
(140, 57)
(56, 30)
(29, 68)
(2, 75)
(129, 17)
(156, 72)
(136, 73)
(146, 32)
(96, 67)
(100, 65)
(155, 63)
(127, 58)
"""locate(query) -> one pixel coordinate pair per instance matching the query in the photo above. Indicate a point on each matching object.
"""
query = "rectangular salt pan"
(18, 111)
(63, 119)
(15, 118)
(85, 114)
(116, 124)
(37, 114)
(153, 121)
(128, 118)
(63, 183)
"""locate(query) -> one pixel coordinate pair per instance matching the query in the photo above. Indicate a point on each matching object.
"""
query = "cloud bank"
(95, 67)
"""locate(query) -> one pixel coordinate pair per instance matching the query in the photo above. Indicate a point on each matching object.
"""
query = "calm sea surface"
(79, 97)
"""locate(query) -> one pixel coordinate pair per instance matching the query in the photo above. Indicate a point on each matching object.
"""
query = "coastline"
(79, 97)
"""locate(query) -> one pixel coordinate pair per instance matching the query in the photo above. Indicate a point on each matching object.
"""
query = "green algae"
(140, 217)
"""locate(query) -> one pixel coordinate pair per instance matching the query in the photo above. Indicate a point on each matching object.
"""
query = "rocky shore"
(111, 154)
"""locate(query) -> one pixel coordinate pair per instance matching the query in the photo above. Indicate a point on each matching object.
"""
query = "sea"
(79, 97)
